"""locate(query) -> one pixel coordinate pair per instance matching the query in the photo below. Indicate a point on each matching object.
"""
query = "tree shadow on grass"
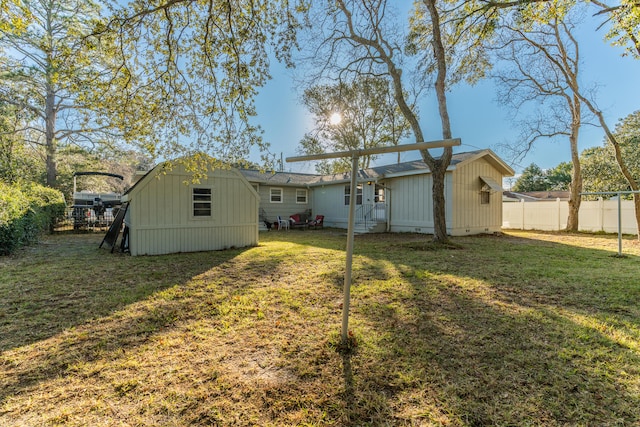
(58, 314)
(439, 341)
(463, 345)
(67, 281)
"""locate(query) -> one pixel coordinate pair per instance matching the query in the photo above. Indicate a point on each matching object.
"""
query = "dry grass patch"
(521, 329)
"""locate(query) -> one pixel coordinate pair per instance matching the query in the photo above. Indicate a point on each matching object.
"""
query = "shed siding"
(470, 216)
(156, 241)
(161, 221)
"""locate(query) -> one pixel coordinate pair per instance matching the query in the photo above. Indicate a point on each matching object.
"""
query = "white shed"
(168, 213)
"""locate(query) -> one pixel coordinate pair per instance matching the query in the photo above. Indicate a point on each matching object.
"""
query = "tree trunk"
(636, 204)
(50, 140)
(439, 167)
(633, 184)
(439, 204)
(575, 198)
(576, 175)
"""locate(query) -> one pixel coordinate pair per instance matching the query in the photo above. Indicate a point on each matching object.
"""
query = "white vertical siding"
(328, 200)
(469, 215)
(411, 208)
(161, 218)
(408, 197)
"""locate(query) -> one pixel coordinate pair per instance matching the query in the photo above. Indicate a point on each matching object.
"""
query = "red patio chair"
(317, 222)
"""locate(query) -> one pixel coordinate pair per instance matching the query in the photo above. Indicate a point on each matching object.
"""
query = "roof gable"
(176, 167)
(490, 157)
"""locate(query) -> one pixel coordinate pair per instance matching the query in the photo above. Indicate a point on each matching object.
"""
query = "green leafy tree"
(620, 18)
(624, 24)
(532, 179)
(19, 162)
(559, 178)
(367, 118)
(199, 65)
(601, 169)
(57, 76)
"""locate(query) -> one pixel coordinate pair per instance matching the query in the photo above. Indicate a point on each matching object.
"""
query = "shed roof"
(157, 169)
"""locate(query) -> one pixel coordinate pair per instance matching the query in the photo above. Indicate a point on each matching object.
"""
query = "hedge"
(25, 213)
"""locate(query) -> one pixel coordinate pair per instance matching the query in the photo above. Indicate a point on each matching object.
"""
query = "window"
(485, 195)
(301, 196)
(379, 194)
(276, 195)
(347, 194)
(201, 199)
(488, 185)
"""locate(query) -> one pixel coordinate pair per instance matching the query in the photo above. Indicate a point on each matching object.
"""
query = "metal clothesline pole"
(618, 194)
(355, 155)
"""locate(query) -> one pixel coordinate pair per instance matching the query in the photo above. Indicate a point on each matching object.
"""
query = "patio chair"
(317, 222)
(282, 223)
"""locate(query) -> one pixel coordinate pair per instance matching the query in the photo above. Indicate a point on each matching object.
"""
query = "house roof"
(373, 173)
(279, 178)
(537, 196)
(295, 179)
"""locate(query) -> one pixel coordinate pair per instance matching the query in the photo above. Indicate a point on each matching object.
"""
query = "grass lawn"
(524, 329)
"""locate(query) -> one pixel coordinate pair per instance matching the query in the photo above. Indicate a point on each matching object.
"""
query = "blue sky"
(476, 116)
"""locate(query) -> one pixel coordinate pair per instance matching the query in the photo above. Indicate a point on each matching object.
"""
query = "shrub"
(25, 213)
(49, 204)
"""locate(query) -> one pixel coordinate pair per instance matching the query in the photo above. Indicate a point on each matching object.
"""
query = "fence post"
(601, 213)
(522, 214)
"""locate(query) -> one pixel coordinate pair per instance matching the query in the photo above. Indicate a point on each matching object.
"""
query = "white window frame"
(379, 194)
(271, 194)
(202, 200)
(301, 192)
(347, 195)
(485, 195)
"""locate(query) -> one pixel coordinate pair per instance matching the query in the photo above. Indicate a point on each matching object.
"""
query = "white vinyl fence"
(594, 216)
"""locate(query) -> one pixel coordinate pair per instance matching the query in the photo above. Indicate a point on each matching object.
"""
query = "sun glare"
(335, 118)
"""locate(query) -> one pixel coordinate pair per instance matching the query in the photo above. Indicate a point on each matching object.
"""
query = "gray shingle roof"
(298, 179)
(278, 178)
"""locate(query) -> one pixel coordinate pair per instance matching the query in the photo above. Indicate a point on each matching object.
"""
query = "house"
(395, 197)
(536, 196)
(167, 212)
(281, 193)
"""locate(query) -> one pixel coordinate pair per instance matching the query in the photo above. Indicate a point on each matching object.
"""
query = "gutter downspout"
(387, 202)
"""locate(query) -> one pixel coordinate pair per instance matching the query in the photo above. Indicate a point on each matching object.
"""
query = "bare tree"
(543, 64)
(359, 38)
